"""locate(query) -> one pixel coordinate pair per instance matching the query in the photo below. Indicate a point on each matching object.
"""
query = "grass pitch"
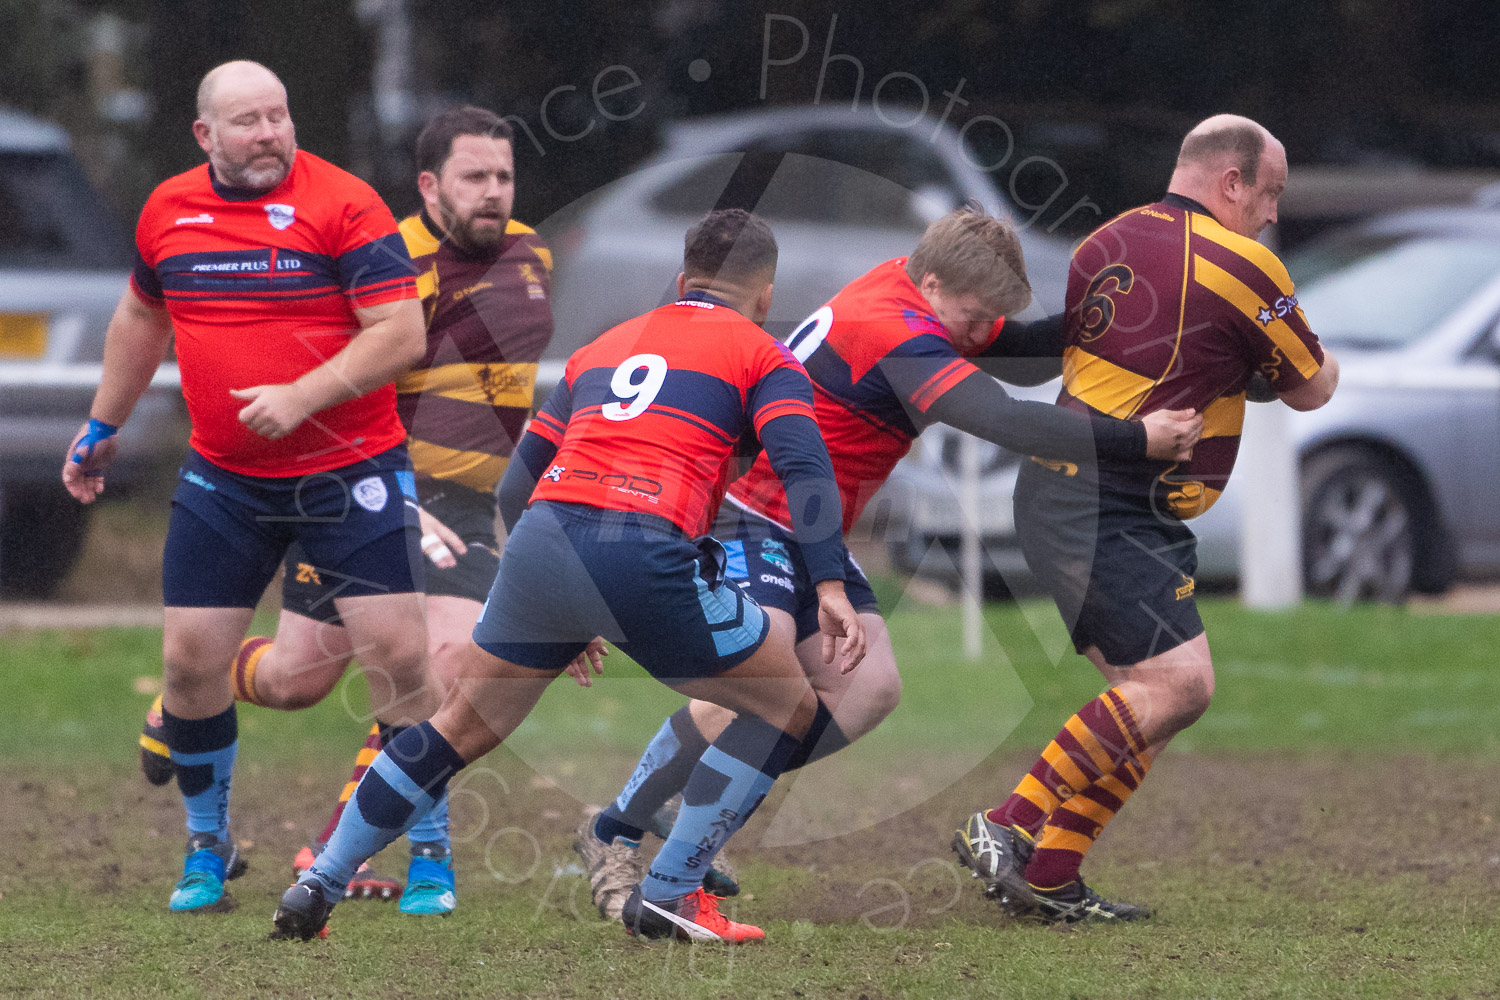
(1326, 830)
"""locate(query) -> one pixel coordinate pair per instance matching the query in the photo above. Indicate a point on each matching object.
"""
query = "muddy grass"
(1345, 817)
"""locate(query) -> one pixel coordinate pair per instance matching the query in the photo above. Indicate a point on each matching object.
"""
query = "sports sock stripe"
(245, 663)
(367, 753)
(1074, 826)
(1101, 741)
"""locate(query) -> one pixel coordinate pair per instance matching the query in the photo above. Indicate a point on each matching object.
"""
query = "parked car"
(843, 190)
(1398, 471)
(63, 264)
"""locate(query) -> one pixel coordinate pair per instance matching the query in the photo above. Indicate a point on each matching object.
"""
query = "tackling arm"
(1026, 353)
(978, 405)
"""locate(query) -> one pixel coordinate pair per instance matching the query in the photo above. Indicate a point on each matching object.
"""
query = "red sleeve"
(373, 262)
(143, 278)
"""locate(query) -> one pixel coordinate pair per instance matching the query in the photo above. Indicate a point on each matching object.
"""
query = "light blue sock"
(433, 827)
(731, 779)
(203, 753)
(403, 783)
(662, 772)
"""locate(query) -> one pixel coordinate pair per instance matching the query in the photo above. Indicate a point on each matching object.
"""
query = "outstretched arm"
(980, 406)
(1026, 352)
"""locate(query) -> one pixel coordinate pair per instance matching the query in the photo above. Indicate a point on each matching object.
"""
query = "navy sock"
(405, 781)
(203, 753)
(432, 826)
(823, 737)
(663, 771)
(725, 788)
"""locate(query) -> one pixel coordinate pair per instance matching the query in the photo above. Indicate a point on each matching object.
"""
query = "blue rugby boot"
(429, 882)
(208, 865)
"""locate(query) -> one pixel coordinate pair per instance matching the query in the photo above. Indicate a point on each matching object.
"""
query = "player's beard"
(463, 232)
(255, 172)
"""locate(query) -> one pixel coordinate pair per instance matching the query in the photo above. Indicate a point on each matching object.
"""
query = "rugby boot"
(1073, 902)
(156, 759)
(614, 869)
(722, 879)
(694, 917)
(366, 884)
(302, 913)
(997, 855)
(429, 882)
(206, 866)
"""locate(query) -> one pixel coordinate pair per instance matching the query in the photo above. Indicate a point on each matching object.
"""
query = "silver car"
(843, 189)
(1397, 471)
(63, 266)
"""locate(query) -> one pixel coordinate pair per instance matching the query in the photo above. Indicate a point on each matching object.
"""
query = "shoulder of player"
(1148, 211)
(164, 196)
(530, 242)
(333, 180)
(336, 195)
(420, 241)
(1247, 260)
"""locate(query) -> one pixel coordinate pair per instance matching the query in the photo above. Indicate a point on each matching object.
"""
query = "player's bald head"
(1226, 140)
(234, 79)
(1234, 168)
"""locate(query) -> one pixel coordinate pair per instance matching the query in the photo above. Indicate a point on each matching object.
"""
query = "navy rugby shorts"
(305, 590)
(1122, 575)
(571, 572)
(228, 532)
(765, 561)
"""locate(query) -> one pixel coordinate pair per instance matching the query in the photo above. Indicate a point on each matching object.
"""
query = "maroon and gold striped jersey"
(1166, 310)
(489, 318)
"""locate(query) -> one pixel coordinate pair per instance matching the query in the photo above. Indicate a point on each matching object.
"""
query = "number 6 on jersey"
(640, 393)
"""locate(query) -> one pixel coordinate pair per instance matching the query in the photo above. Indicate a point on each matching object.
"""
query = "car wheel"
(41, 535)
(1358, 531)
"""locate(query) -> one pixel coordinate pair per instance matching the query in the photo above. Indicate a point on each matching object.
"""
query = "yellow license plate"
(23, 335)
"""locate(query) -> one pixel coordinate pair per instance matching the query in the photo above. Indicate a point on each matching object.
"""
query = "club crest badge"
(280, 216)
(370, 493)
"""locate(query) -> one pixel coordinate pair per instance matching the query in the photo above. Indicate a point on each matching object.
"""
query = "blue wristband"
(97, 432)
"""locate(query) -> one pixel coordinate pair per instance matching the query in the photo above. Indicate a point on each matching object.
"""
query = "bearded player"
(292, 301)
(484, 282)
(893, 353)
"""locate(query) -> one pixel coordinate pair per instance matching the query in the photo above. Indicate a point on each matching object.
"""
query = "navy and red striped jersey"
(262, 288)
(878, 359)
(648, 416)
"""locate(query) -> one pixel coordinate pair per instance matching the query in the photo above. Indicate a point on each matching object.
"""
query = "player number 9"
(640, 393)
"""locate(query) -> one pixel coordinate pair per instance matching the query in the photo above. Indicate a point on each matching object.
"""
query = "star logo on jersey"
(555, 473)
(280, 216)
(1265, 316)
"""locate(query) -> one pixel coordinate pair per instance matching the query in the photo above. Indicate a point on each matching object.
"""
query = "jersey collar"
(1187, 204)
(699, 295)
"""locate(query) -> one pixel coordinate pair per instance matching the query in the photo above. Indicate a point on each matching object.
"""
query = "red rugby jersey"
(648, 417)
(878, 359)
(262, 287)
